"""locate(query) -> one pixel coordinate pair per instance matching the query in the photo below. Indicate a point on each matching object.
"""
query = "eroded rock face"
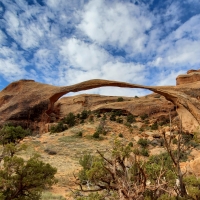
(153, 105)
(31, 104)
(191, 77)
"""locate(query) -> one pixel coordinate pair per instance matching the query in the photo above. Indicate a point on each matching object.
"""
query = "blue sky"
(63, 42)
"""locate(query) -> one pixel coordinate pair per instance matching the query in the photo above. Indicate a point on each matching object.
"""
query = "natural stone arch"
(34, 101)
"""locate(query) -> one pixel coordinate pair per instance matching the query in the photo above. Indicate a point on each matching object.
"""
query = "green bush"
(118, 112)
(96, 134)
(11, 134)
(144, 116)
(130, 118)
(84, 114)
(143, 142)
(121, 135)
(175, 141)
(144, 152)
(120, 99)
(119, 120)
(25, 180)
(113, 117)
(70, 119)
(104, 117)
(130, 144)
(60, 127)
(154, 126)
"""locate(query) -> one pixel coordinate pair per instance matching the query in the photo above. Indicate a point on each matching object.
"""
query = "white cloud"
(122, 25)
(82, 55)
(2, 38)
(10, 70)
(127, 72)
(181, 48)
(167, 77)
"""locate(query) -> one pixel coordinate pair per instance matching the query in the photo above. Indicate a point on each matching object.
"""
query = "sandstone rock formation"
(31, 103)
(153, 105)
(191, 77)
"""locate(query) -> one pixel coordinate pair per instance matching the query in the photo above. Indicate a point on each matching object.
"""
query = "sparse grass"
(50, 196)
(69, 139)
(90, 137)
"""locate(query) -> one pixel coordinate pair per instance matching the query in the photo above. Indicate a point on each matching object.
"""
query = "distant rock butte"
(191, 77)
(33, 104)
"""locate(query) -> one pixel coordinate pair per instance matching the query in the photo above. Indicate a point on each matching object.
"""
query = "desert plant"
(130, 144)
(60, 127)
(80, 134)
(113, 117)
(12, 134)
(130, 118)
(120, 99)
(144, 116)
(144, 152)
(119, 120)
(70, 119)
(96, 134)
(121, 173)
(143, 142)
(154, 126)
(121, 135)
(84, 114)
(25, 180)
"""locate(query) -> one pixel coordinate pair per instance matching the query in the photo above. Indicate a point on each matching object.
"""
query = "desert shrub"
(12, 134)
(118, 112)
(113, 117)
(144, 116)
(86, 162)
(119, 120)
(144, 152)
(143, 142)
(154, 126)
(136, 151)
(84, 114)
(80, 134)
(175, 141)
(130, 144)
(130, 118)
(136, 97)
(60, 127)
(25, 180)
(78, 115)
(141, 129)
(96, 134)
(157, 96)
(120, 99)
(104, 117)
(70, 119)
(101, 128)
(187, 137)
(98, 115)
(121, 135)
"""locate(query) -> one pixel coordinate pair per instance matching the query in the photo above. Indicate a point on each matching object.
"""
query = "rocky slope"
(32, 104)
